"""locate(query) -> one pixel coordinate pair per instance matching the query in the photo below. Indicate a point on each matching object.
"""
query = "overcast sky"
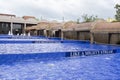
(56, 9)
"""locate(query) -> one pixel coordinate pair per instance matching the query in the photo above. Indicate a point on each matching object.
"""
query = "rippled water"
(24, 39)
(102, 67)
(48, 47)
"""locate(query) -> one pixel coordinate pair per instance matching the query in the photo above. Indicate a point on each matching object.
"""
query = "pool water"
(50, 66)
(51, 47)
(100, 67)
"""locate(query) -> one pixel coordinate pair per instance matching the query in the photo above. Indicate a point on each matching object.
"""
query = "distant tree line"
(92, 18)
(87, 18)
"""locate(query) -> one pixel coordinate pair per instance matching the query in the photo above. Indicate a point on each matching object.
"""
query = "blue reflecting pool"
(100, 67)
(55, 59)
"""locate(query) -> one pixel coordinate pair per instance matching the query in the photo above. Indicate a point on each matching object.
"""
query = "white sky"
(56, 9)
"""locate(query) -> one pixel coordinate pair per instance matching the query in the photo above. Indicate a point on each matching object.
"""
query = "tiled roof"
(49, 25)
(7, 15)
(107, 27)
(18, 20)
(28, 17)
(78, 27)
(31, 28)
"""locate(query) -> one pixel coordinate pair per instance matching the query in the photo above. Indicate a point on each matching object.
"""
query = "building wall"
(33, 32)
(83, 35)
(4, 27)
(101, 38)
(67, 34)
(58, 33)
(77, 35)
(49, 33)
(40, 32)
(104, 38)
(70, 34)
(18, 29)
(115, 39)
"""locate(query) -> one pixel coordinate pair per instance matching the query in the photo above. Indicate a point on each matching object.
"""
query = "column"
(62, 35)
(45, 33)
(53, 33)
(11, 28)
(109, 38)
(24, 29)
(91, 38)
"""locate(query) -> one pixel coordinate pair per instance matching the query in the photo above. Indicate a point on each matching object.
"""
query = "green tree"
(117, 16)
(78, 21)
(87, 18)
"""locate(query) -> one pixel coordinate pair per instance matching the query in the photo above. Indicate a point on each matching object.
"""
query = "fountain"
(28, 34)
(24, 34)
(17, 34)
(10, 33)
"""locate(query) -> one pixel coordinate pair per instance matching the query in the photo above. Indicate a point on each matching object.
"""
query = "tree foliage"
(117, 16)
(78, 21)
(87, 18)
